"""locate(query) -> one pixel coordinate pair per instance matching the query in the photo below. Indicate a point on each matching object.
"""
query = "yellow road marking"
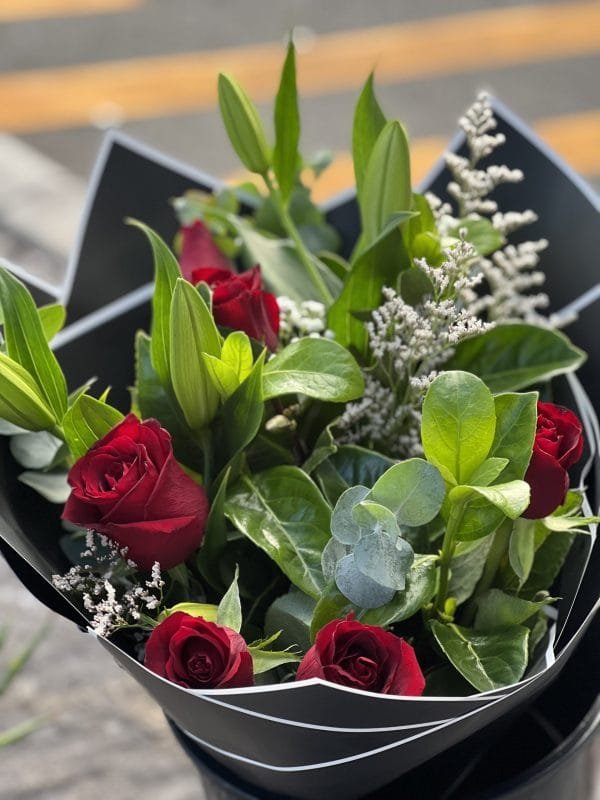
(39, 100)
(576, 138)
(18, 10)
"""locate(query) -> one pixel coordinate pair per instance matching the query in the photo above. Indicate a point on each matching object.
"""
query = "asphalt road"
(70, 68)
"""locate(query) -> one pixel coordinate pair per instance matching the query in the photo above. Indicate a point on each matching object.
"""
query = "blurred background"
(72, 68)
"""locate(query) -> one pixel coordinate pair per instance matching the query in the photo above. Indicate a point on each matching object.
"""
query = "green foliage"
(287, 127)
(243, 125)
(87, 421)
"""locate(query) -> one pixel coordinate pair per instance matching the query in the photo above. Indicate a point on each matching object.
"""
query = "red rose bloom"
(558, 445)
(198, 250)
(130, 488)
(363, 657)
(239, 302)
(198, 654)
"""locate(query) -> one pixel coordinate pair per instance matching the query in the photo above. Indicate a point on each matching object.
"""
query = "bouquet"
(344, 474)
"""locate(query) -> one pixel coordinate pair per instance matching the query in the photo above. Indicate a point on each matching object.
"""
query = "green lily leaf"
(26, 343)
(287, 127)
(52, 486)
(86, 422)
(166, 275)
(369, 121)
(52, 317)
(521, 548)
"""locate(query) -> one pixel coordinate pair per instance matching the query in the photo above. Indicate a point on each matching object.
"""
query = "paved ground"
(69, 69)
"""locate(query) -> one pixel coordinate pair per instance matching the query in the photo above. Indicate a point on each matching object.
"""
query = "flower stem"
(302, 251)
(446, 555)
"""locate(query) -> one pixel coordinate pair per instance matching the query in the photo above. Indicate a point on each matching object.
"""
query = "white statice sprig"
(297, 320)
(106, 583)
(408, 345)
(511, 274)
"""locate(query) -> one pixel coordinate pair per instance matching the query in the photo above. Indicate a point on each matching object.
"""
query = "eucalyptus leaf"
(361, 590)
(319, 368)
(52, 486)
(418, 592)
(413, 490)
(344, 527)
(282, 512)
(333, 552)
(383, 559)
(373, 517)
(513, 356)
(26, 343)
(487, 660)
(459, 422)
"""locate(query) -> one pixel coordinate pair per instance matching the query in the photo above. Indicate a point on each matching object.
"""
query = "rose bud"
(239, 302)
(557, 446)
(198, 250)
(130, 488)
(363, 657)
(198, 654)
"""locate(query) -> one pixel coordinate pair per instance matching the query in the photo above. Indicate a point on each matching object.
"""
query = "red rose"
(558, 445)
(363, 657)
(198, 250)
(129, 487)
(240, 303)
(198, 654)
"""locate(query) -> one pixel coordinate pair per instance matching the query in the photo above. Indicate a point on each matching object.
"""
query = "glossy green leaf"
(282, 512)
(496, 609)
(487, 660)
(466, 567)
(243, 125)
(221, 375)
(487, 472)
(287, 127)
(414, 490)
(548, 561)
(242, 414)
(215, 536)
(369, 121)
(26, 343)
(513, 356)
(21, 402)
(419, 590)
(229, 613)
(193, 331)
(291, 614)
(237, 354)
(387, 186)
(358, 465)
(458, 424)
(511, 499)
(319, 368)
(521, 548)
(516, 417)
(166, 275)
(87, 421)
(52, 317)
